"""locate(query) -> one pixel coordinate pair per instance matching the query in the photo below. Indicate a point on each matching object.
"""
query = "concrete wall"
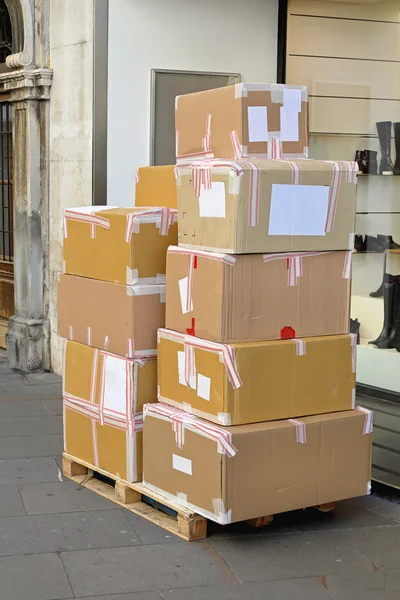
(213, 35)
(71, 57)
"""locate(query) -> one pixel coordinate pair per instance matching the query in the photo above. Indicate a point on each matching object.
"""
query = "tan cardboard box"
(251, 297)
(238, 473)
(112, 244)
(156, 186)
(103, 403)
(246, 119)
(256, 381)
(249, 207)
(122, 319)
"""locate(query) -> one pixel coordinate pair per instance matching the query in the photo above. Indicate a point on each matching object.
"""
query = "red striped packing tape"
(92, 411)
(85, 217)
(274, 147)
(181, 421)
(137, 178)
(369, 420)
(338, 167)
(205, 142)
(226, 352)
(294, 263)
(301, 349)
(301, 433)
(192, 261)
(275, 150)
(165, 216)
(190, 367)
(353, 341)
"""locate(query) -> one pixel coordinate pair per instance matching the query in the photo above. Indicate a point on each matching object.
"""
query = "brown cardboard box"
(156, 186)
(103, 402)
(267, 205)
(256, 381)
(112, 244)
(122, 319)
(250, 297)
(246, 119)
(238, 473)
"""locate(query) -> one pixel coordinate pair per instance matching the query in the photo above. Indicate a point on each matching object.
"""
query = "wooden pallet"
(150, 505)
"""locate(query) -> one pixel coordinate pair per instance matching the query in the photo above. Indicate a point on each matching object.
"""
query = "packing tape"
(207, 138)
(137, 178)
(242, 90)
(146, 290)
(93, 220)
(369, 420)
(227, 353)
(85, 408)
(294, 263)
(353, 342)
(163, 217)
(351, 173)
(89, 336)
(347, 266)
(190, 367)
(182, 421)
(353, 398)
(275, 151)
(301, 433)
(224, 419)
(300, 347)
(224, 516)
(71, 332)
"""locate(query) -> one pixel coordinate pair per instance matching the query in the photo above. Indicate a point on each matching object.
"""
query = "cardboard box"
(156, 186)
(250, 297)
(246, 119)
(256, 381)
(267, 205)
(238, 473)
(122, 319)
(103, 403)
(112, 244)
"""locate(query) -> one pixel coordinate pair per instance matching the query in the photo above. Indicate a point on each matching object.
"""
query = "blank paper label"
(115, 385)
(298, 209)
(290, 115)
(182, 464)
(183, 289)
(258, 123)
(212, 201)
(203, 386)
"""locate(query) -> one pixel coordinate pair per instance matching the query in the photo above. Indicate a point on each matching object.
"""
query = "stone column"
(28, 329)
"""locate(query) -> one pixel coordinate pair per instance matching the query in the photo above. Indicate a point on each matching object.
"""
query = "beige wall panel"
(339, 147)
(343, 38)
(373, 10)
(355, 116)
(345, 78)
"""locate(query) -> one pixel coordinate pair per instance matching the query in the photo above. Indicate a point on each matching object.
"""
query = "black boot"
(359, 243)
(372, 244)
(379, 292)
(372, 161)
(355, 328)
(396, 127)
(385, 140)
(394, 334)
(389, 288)
(388, 242)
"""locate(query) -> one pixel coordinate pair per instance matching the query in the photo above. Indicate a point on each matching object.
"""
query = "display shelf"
(378, 194)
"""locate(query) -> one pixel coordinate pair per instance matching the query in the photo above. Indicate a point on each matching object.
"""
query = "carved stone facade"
(29, 83)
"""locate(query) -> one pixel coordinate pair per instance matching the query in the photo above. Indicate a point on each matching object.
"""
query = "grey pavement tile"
(53, 407)
(63, 532)
(135, 596)
(10, 379)
(35, 577)
(149, 533)
(371, 502)
(22, 408)
(291, 555)
(380, 544)
(61, 497)
(30, 392)
(10, 502)
(378, 585)
(42, 378)
(144, 568)
(301, 589)
(28, 470)
(30, 446)
(390, 511)
(30, 426)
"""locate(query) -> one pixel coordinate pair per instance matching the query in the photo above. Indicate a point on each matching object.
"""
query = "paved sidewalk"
(59, 541)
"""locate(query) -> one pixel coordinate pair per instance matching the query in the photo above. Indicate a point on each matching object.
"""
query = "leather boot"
(396, 127)
(389, 288)
(379, 292)
(384, 129)
(355, 328)
(388, 242)
(394, 335)
(372, 161)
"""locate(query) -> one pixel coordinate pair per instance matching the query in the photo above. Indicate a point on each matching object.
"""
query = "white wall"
(238, 36)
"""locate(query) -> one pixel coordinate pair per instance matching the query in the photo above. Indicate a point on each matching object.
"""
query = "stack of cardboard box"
(256, 369)
(111, 301)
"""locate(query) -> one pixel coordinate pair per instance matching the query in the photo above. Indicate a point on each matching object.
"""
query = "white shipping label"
(290, 115)
(182, 464)
(298, 209)
(181, 372)
(258, 123)
(183, 289)
(115, 385)
(203, 386)
(212, 201)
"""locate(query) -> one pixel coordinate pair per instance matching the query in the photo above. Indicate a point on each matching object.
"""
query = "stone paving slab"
(61, 497)
(381, 585)
(31, 446)
(21, 408)
(42, 379)
(149, 533)
(289, 556)
(63, 532)
(35, 577)
(135, 596)
(30, 392)
(28, 470)
(380, 544)
(145, 568)
(53, 407)
(10, 502)
(30, 426)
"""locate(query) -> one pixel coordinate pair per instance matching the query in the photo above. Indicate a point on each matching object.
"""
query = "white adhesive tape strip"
(300, 347)
(368, 423)
(301, 433)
